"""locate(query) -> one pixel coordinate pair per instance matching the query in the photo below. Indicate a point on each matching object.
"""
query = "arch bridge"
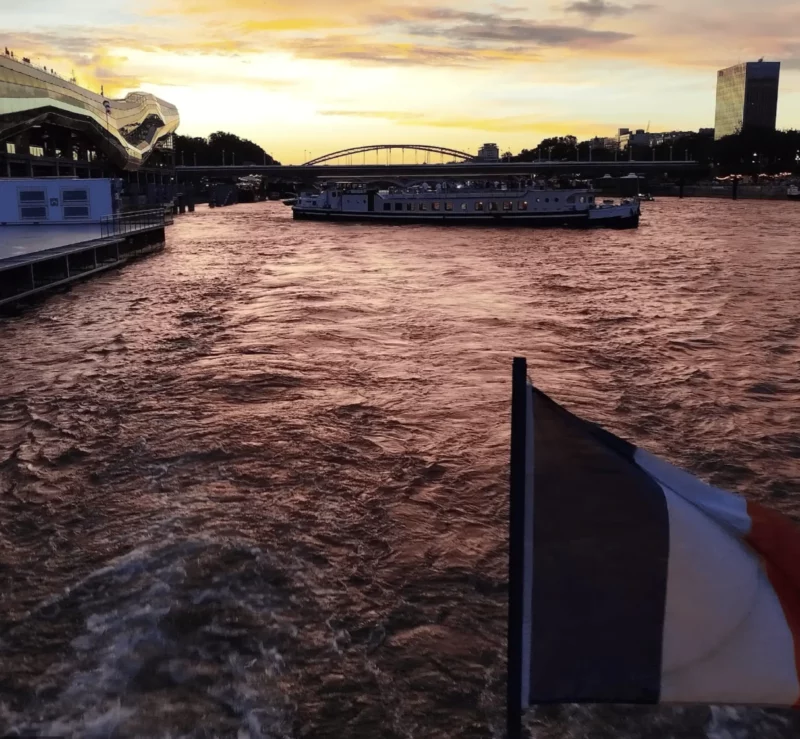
(377, 148)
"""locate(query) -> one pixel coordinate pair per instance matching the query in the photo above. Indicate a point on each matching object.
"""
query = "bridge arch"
(442, 150)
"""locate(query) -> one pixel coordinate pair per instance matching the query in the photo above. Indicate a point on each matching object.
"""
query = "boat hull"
(539, 220)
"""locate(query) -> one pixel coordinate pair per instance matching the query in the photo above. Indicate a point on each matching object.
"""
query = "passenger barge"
(532, 205)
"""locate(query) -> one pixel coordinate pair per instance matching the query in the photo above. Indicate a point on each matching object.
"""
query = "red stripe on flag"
(777, 539)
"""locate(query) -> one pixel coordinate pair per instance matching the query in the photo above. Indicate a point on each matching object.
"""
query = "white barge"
(531, 205)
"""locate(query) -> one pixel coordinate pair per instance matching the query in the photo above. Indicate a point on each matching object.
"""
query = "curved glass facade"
(127, 130)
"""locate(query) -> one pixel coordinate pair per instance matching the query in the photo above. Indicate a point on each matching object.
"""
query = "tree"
(210, 152)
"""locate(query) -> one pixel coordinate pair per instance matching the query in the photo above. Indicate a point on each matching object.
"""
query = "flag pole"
(516, 536)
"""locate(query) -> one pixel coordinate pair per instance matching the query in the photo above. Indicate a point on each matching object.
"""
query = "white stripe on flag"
(527, 567)
(724, 507)
(726, 639)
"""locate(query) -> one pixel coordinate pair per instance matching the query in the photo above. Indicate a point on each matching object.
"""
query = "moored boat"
(530, 205)
(793, 192)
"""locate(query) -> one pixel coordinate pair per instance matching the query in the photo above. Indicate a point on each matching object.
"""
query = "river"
(256, 485)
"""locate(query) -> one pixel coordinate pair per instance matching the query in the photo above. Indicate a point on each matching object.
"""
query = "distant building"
(604, 142)
(639, 137)
(489, 153)
(747, 97)
(667, 137)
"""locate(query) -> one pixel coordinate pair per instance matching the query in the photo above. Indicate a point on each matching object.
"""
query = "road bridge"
(473, 169)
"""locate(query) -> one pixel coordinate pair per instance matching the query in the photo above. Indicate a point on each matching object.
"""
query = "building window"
(492, 205)
(479, 205)
(36, 151)
(11, 148)
(398, 206)
(387, 206)
(75, 197)
(76, 211)
(33, 213)
(522, 205)
(448, 206)
(31, 196)
(435, 206)
(32, 205)
(508, 205)
(422, 206)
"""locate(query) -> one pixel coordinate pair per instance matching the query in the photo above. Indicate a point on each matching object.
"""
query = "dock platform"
(34, 259)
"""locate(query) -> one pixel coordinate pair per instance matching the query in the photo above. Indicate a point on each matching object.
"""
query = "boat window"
(422, 206)
(409, 206)
(398, 206)
(522, 205)
(507, 205)
(583, 199)
(387, 206)
(334, 193)
(435, 206)
(314, 203)
(448, 206)
(571, 199)
(463, 206)
(538, 200)
(555, 199)
(547, 200)
(591, 198)
(492, 205)
(479, 205)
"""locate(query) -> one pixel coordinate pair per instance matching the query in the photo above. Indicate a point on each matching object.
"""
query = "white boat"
(793, 192)
(531, 205)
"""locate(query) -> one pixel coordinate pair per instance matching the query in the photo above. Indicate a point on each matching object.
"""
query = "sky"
(306, 77)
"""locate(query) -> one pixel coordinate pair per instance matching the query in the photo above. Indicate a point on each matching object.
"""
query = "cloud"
(600, 8)
(467, 27)
(362, 50)
(499, 124)
(386, 115)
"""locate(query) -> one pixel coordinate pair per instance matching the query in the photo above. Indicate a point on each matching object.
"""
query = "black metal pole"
(516, 551)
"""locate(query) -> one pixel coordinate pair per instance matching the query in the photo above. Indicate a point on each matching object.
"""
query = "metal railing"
(120, 224)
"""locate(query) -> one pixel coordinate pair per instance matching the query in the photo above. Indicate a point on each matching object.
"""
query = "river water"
(256, 485)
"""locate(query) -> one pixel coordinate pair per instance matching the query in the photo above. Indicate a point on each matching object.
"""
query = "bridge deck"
(434, 171)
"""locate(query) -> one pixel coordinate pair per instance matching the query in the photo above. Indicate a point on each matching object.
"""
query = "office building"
(747, 97)
(489, 153)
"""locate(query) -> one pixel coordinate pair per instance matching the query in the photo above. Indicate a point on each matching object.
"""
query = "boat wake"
(161, 642)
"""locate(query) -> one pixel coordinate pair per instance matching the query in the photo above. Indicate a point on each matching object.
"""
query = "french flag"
(631, 581)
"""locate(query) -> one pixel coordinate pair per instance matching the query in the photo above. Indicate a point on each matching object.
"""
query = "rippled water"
(256, 485)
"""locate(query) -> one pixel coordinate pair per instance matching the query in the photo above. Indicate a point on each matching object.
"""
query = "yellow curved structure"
(126, 130)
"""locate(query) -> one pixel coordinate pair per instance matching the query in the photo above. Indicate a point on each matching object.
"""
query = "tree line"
(219, 148)
(747, 153)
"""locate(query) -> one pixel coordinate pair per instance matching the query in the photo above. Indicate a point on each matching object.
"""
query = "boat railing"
(467, 193)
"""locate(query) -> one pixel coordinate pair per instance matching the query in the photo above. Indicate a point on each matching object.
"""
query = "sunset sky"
(306, 76)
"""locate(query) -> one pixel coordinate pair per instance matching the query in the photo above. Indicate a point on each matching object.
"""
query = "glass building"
(34, 102)
(747, 97)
